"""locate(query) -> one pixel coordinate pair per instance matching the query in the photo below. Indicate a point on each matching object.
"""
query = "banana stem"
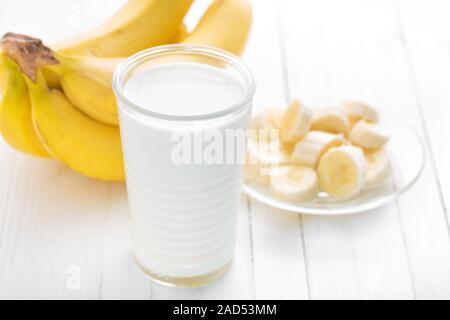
(29, 53)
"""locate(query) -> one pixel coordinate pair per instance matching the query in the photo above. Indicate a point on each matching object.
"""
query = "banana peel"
(139, 25)
(226, 24)
(15, 112)
(84, 144)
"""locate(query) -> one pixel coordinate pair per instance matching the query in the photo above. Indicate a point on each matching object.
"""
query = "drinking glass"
(184, 214)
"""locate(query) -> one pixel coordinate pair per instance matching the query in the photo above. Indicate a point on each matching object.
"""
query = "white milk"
(184, 216)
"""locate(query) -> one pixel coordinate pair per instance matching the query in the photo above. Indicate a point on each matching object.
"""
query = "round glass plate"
(407, 156)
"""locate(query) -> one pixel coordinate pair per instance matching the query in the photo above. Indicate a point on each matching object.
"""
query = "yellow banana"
(86, 81)
(139, 25)
(52, 79)
(226, 24)
(181, 34)
(85, 145)
(2, 84)
(15, 112)
(3, 75)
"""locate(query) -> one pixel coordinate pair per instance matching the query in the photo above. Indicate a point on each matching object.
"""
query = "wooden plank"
(270, 253)
(51, 223)
(52, 219)
(276, 255)
(276, 235)
(238, 283)
(120, 276)
(330, 47)
(424, 31)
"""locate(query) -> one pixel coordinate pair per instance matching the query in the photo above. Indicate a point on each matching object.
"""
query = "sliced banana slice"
(269, 119)
(368, 136)
(378, 168)
(262, 157)
(294, 183)
(358, 110)
(309, 150)
(296, 123)
(342, 172)
(333, 120)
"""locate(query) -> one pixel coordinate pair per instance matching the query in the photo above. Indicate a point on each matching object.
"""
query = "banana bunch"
(58, 103)
(337, 150)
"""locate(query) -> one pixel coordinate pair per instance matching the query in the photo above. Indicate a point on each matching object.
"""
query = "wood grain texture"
(348, 257)
(396, 55)
(276, 235)
(355, 55)
(426, 55)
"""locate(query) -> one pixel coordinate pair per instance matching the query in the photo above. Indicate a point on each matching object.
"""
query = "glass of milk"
(184, 110)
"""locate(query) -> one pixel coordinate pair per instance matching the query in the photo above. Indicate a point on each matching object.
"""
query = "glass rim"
(200, 50)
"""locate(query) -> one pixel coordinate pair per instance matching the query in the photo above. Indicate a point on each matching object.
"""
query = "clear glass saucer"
(407, 155)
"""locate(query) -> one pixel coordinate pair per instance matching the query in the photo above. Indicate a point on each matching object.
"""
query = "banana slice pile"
(337, 150)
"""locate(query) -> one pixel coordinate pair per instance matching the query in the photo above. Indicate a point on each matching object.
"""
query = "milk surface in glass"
(184, 215)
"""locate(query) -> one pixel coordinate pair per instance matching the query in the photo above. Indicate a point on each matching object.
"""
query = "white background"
(55, 223)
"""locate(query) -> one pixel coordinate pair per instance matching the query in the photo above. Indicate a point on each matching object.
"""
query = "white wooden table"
(396, 54)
